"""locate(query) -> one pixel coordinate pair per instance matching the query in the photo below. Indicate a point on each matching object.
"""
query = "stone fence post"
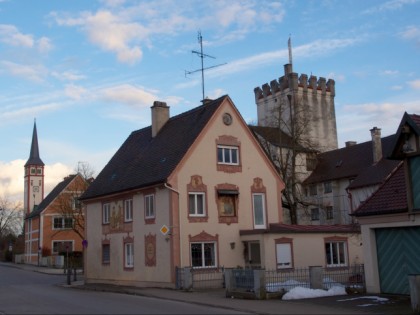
(315, 277)
(259, 284)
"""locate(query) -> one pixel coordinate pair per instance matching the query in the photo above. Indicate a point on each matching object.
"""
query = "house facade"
(390, 218)
(346, 177)
(50, 221)
(177, 194)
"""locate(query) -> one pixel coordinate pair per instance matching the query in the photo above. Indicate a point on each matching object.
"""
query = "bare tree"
(68, 203)
(11, 217)
(289, 147)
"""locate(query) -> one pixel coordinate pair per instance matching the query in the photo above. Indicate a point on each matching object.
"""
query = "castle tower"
(34, 176)
(309, 101)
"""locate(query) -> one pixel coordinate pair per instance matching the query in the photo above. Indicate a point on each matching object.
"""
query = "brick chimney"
(160, 115)
(376, 144)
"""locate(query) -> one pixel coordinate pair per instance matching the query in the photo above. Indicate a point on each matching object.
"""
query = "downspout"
(179, 222)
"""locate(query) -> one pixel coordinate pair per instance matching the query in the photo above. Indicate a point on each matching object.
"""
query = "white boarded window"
(284, 255)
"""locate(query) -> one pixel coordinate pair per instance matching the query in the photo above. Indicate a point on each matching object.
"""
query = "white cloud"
(75, 92)
(30, 111)
(396, 87)
(390, 72)
(44, 45)
(391, 5)
(414, 84)
(35, 73)
(68, 76)
(129, 95)
(385, 116)
(10, 35)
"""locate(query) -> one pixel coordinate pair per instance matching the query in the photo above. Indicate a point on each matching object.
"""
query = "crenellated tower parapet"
(310, 94)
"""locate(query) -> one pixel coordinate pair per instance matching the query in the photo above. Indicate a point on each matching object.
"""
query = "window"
(330, 213)
(128, 210)
(149, 206)
(310, 162)
(327, 187)
(336, 253)
(39, 171)
(227, 155)
(284, 255)
(32, 171)
(75, 203)
(128, 255)
(258, 201)
(312, 190)
(196, 204)
(61, 223)
(315, 214)
(62, 246)
(106, 208)
(106, 253)
(203, 255)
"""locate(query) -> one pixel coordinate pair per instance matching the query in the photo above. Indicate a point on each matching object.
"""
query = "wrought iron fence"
(285, 280)
(351, 277)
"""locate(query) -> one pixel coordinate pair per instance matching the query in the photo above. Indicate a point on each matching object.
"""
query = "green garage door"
(398, 252)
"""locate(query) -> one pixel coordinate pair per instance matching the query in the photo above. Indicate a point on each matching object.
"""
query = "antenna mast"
(202, 55)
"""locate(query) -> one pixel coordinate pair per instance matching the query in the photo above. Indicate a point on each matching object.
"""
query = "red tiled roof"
(391, 197)
(292, 228)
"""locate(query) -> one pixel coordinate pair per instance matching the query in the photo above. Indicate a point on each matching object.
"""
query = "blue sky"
(88, 71)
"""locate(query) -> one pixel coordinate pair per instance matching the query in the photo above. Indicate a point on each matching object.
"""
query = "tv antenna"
(202, 55)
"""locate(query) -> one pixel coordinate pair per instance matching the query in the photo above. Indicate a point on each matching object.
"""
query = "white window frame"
(149, 206)
(214, 244)
(262, 205)
(336, 255)
(284, 255)
(128, 210)
(225, 148)
(128, 255)
(63, 223)
(106, 213)
(194, 205)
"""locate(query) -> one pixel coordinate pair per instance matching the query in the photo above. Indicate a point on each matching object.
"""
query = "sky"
(89, 71)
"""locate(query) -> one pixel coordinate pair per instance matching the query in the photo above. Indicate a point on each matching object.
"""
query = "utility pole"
(202, 55)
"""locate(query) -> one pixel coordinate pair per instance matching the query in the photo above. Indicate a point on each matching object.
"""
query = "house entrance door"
(254, 254)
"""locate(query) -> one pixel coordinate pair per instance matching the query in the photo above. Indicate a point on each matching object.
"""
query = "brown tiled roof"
(391, 197)
(354, 161)
(276, 137)
(143, 161)
(293, 228)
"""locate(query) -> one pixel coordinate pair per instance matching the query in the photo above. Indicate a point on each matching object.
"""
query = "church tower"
(34, 176)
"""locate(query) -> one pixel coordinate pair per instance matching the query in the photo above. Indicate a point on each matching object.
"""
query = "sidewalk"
(347, 304)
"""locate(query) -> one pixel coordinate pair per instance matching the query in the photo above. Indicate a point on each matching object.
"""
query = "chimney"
(160, 115)
(350, 143)
(376, 144)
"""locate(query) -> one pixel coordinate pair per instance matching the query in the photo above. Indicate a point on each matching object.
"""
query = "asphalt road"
(27, 292)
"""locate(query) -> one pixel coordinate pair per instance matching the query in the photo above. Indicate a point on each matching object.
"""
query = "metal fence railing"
(274, 280)
(277, 280)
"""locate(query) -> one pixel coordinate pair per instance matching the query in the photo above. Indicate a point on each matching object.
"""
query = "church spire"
(34, 158)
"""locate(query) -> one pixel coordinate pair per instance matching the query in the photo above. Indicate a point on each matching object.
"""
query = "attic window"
(339, 163)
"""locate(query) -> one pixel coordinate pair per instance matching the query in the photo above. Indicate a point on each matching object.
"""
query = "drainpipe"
(179, 222)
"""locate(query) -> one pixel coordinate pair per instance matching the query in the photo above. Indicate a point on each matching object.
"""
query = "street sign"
(164, 229)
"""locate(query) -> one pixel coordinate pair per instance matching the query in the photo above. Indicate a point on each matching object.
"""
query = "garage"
(398, 251)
